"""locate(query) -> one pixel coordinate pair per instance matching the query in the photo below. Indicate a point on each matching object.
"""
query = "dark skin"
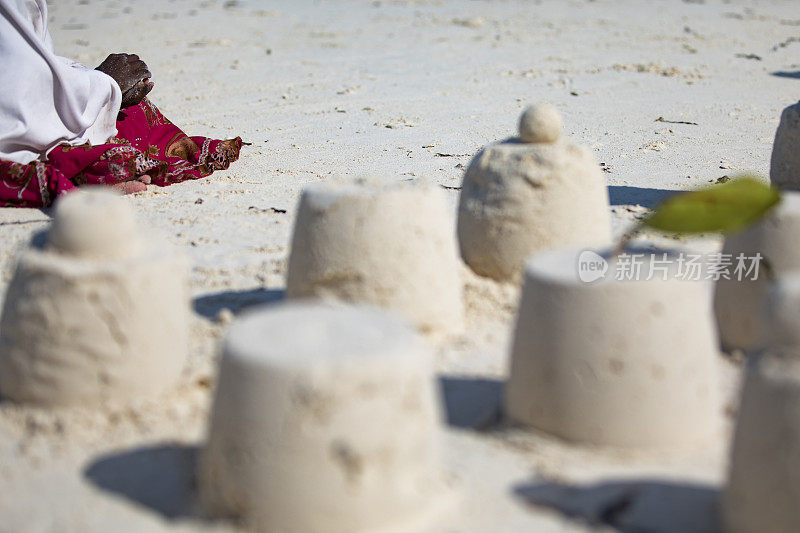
(133, 78)
(131, 74)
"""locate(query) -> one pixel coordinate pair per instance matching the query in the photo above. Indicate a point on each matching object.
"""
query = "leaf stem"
(626, 238)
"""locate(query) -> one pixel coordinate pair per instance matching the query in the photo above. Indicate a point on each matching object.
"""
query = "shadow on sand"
(210, 304)
(784, 74)
(625, 195)
(161, 478)
(631, 505)
(471, 403)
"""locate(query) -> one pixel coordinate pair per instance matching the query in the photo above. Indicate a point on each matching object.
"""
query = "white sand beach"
(668, 95)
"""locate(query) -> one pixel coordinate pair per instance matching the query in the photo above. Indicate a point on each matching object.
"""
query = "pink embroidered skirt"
(146, 143)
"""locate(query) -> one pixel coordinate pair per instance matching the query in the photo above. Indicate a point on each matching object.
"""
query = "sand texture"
(666, 95)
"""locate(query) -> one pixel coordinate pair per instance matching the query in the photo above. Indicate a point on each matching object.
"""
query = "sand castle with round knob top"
(530, 193)
(96, 312)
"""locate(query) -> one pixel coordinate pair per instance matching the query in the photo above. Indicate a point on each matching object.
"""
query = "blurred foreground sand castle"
(97, 312)
(326, 419)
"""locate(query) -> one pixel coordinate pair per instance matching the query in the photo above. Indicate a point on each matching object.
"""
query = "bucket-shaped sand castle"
(784, 171)
(601, 359)
(738, 303)
(96, 311)
(325, 420)
(369, 241)
(764, 473)
(531, 193)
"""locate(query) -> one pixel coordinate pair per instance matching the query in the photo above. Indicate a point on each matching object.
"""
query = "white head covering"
(46, 100)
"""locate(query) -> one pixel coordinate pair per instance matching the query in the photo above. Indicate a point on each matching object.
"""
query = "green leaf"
(726, 208)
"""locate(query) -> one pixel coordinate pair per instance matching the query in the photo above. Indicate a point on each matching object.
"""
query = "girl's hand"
(131, 74)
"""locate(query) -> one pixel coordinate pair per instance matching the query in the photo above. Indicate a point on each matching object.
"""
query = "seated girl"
(63, 125)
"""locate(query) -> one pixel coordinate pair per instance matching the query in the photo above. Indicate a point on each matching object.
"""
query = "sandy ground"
(402, 89)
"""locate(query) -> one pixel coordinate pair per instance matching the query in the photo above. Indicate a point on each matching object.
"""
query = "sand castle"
(784, 169)
(96, 312)
(370, 242)
(762, 490)
(613, 362)
(325, 419)
(528, 194)
(739, 303)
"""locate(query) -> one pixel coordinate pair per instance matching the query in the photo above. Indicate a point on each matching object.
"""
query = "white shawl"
(46, 100)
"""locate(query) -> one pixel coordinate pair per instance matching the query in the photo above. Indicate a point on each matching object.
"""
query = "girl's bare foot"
(133, 186)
